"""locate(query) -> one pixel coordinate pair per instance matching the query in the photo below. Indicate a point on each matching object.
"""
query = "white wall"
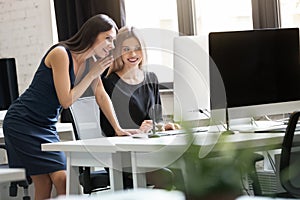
(25, 34)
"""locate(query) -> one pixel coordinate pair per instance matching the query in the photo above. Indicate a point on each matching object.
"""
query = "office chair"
(13, 188)
(84, 115)
(86, 123)
(252, 174)
(288, 170)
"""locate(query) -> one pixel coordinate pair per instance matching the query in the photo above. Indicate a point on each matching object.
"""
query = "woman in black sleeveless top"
(30, 120)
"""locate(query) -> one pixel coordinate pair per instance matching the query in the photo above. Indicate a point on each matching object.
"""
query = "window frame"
(265, 14)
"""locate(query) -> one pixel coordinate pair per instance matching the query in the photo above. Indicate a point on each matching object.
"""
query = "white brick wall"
(25, 34)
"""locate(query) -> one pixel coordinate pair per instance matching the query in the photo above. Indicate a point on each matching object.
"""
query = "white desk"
(65, 132)
(141, 193)
(12, 174)
(2, 115)
(92, 152)
(8, 175)
(144, 152)
(166, 150)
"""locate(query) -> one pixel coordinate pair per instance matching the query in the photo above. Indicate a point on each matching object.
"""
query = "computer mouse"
(153, 136)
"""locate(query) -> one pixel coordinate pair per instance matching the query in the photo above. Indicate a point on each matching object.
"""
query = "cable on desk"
(205, 111)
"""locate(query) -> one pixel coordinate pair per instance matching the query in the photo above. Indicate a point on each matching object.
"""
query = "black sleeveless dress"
(30, 121)
(133, 103)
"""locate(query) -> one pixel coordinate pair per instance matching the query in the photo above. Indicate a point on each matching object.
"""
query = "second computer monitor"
(259, 69)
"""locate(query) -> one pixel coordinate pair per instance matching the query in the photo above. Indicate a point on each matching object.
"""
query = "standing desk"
(2, 114)
(12, 174)
(145, 152)
(8, 175)
(150, 152)
(97, 152)
(64, 130)
(94, 153)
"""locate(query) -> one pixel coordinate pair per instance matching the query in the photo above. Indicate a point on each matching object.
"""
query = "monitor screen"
(191, 78)
(8, 82)
(259, 71)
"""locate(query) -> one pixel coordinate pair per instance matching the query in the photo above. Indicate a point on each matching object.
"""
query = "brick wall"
(25, 34)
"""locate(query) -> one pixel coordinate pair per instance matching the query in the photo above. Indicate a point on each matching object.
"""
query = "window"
(211, 16)
(53, 23)
(152, 14)
(290, 13)
(220, 15)
(158, 22)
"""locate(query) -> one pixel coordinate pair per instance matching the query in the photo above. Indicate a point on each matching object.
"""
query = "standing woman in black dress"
(31, 119)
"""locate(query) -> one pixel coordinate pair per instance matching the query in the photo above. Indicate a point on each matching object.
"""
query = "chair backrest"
(86, 116)
(287, 169)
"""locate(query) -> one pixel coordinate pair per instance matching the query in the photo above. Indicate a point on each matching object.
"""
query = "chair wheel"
(26, 198)
(13, 190)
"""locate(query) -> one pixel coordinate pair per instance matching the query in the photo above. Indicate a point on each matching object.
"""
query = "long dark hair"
(88, 33)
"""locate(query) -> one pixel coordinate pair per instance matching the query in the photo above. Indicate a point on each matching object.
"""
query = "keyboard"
(182, 131)
(272, 129)
(170, 132)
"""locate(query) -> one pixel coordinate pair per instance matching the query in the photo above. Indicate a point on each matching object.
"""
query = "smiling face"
(131, 52)
(104, 43)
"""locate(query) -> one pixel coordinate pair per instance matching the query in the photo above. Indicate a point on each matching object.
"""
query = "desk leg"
(139, 178)
(72, 186)
(115, 172)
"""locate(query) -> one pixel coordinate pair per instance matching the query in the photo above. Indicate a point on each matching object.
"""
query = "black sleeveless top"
(132, 103)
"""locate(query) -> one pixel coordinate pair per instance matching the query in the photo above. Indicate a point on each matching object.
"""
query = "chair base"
(13, 188)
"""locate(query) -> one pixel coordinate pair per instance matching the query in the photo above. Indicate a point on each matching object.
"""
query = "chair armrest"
(2, 146)
(286, 155)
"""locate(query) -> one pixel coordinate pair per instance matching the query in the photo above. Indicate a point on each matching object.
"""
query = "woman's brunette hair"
(88, 33)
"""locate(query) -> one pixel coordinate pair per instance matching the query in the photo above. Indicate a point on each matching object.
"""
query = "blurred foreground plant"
(218, 174)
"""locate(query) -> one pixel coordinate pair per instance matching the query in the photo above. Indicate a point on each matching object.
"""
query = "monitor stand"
(220, 128)
(227, 132)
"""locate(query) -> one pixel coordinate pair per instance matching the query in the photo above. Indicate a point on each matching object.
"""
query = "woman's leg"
(42, 186)
(59, 180)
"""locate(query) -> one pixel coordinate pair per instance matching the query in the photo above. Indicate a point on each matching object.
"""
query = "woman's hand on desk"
(171, 126)
(122, 132)
(146, 126)
(136, 131)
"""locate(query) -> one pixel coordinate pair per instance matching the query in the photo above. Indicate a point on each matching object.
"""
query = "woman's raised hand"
(146, 126)
(100, 65)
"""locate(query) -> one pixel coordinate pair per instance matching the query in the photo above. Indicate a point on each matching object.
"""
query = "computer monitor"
(254, 72)
(191, 78)
(8, 82)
